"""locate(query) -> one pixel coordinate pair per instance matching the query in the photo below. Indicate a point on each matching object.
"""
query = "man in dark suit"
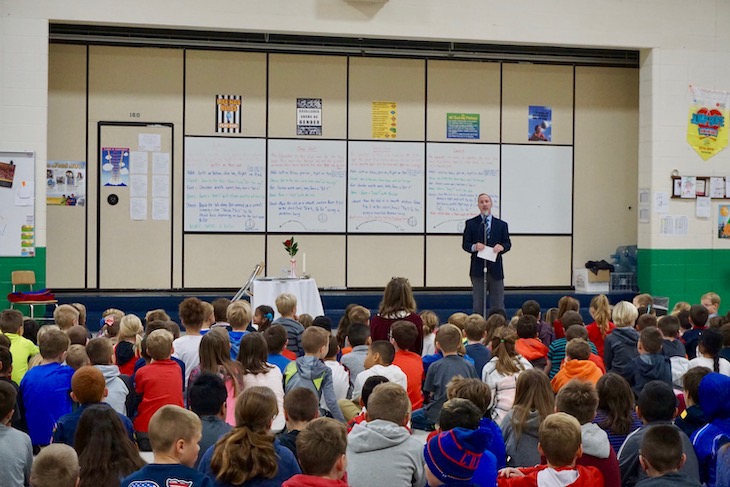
(497, 236)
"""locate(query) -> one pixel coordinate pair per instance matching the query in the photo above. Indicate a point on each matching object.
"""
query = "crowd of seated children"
(502, 371)
(448, 341)
(106, 453)
(534, 401)
(556, 351)
(286, 305)
(403, 334)
(616, 413)
(249, 454)
(381, 450)
(580, 400)
(545, 331)
(300, 407)
(309, 371)
(257, 372)
(207, 397)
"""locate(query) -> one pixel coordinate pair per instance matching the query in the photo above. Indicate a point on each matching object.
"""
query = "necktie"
(489, 227)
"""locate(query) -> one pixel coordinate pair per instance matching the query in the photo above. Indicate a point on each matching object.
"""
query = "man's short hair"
(100, 351)
(301, 404)
(88, 385)
(52, 344)
(448, 338)
(404, 333)
(560, 439)
(691, 382)
(192, 312)
(77, 357)
(207, 394)
(475, 327)
(669, 326)
(171, 423)
(526, 326)
(385, 349)
(367, 388)
(576, 331)
(65, 316)
(159, 344)
(661, 447)
(314, 338)
(57, 465)
(10, 321)
(320, 444)
(358, 334)
(531, 308)
(578, 349)
(571, 318)
(474, 390)
(651, 340)
(276, 338)
(78, 335)
(285, 303)
(698, 314)
(389, 402)
(459, 413)
(238, 314)
(8, 396)
(220, 308)
(657, 402)
(579, 399)
(645, 321)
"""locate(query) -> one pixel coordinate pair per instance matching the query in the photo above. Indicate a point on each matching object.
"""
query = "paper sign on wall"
(384, 119)
(723, 222)
(462, 126)
(115, 166)
(66, 183)
(309, 116)
(707, 130)
(539, 124)
(228, 114)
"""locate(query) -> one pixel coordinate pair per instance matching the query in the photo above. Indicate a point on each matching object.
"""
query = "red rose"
(287, 243)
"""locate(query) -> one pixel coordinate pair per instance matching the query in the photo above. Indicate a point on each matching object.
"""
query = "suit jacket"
(498, 234)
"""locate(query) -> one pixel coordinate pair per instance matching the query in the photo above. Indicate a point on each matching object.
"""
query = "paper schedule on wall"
(384, 120)
(307, 186)
(224, 184)
(386, 187)
(457, 173)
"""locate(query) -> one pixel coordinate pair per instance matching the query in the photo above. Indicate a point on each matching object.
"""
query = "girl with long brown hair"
(616, 414)
(398, 304)
(249, 454)
(566, 303)
(258, 372)
(602, 326)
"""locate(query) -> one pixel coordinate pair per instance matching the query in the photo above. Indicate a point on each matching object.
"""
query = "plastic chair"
(27, 278)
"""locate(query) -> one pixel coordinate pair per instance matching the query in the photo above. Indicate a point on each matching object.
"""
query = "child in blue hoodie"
(715, 403)
(620, 347)
(238, 316)
(650, 364)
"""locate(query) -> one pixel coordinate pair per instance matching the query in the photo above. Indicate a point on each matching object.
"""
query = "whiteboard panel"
(457, 174)
(225, 188)
(537, 188)
(307, 185)
(17, 204)
(386, 187)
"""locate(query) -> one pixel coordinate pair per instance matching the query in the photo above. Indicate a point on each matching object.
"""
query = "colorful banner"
(462, 126)
(66, 183)
(707, 124)
(115, 166)
(384, 120)
(309, 116)
(539, 124)
(228, 114)
(723, 222)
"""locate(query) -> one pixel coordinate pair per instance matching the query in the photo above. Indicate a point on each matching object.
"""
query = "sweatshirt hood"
(531, 348)
(110, 372)
(376, 435)
(310, 367)
(595, 441)
(654, 366)
(301, 480)
(626, 335)
(715, 396)
(579, 368)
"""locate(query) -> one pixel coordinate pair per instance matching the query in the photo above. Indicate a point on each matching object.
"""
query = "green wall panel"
(10, 264)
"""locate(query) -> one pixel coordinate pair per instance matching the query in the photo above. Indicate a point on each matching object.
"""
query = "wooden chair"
(27, 278)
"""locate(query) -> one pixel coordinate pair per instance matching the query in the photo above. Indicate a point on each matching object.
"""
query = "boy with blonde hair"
(45, 388)
(174, 434)
(381, 451)
(157, 385)
(76, 357)
(22, 349)
(322, 446)
(560, 444)
(119, 387)
(711, 301)
(65, 316)
(238, 315)
(359, 314)
(286, 305)
(55, 466)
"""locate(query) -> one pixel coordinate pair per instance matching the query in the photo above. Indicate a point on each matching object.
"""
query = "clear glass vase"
(293, 268)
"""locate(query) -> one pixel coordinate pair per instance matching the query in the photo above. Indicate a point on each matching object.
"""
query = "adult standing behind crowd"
(497, 236)
(398, 304)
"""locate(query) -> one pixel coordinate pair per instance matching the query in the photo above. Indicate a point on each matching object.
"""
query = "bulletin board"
(17, 204)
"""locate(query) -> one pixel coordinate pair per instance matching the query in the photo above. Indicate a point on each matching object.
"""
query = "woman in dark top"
(397, 304)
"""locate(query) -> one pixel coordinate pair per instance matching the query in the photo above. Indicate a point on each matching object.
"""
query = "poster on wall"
(384, 119)
(115, 166)
(707, 122)
(723, 221)
(309, 116)
(462, 126)
(228, 114)
(66, 183)
(17, 204)
(539, 123)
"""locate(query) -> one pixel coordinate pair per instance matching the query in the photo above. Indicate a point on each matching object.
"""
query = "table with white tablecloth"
(265, 292)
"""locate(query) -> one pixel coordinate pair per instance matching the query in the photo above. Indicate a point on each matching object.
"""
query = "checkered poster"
(228, 114)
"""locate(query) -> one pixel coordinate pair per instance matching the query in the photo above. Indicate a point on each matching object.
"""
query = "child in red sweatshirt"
(560, 444)
(528, 345)
(321, 447)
